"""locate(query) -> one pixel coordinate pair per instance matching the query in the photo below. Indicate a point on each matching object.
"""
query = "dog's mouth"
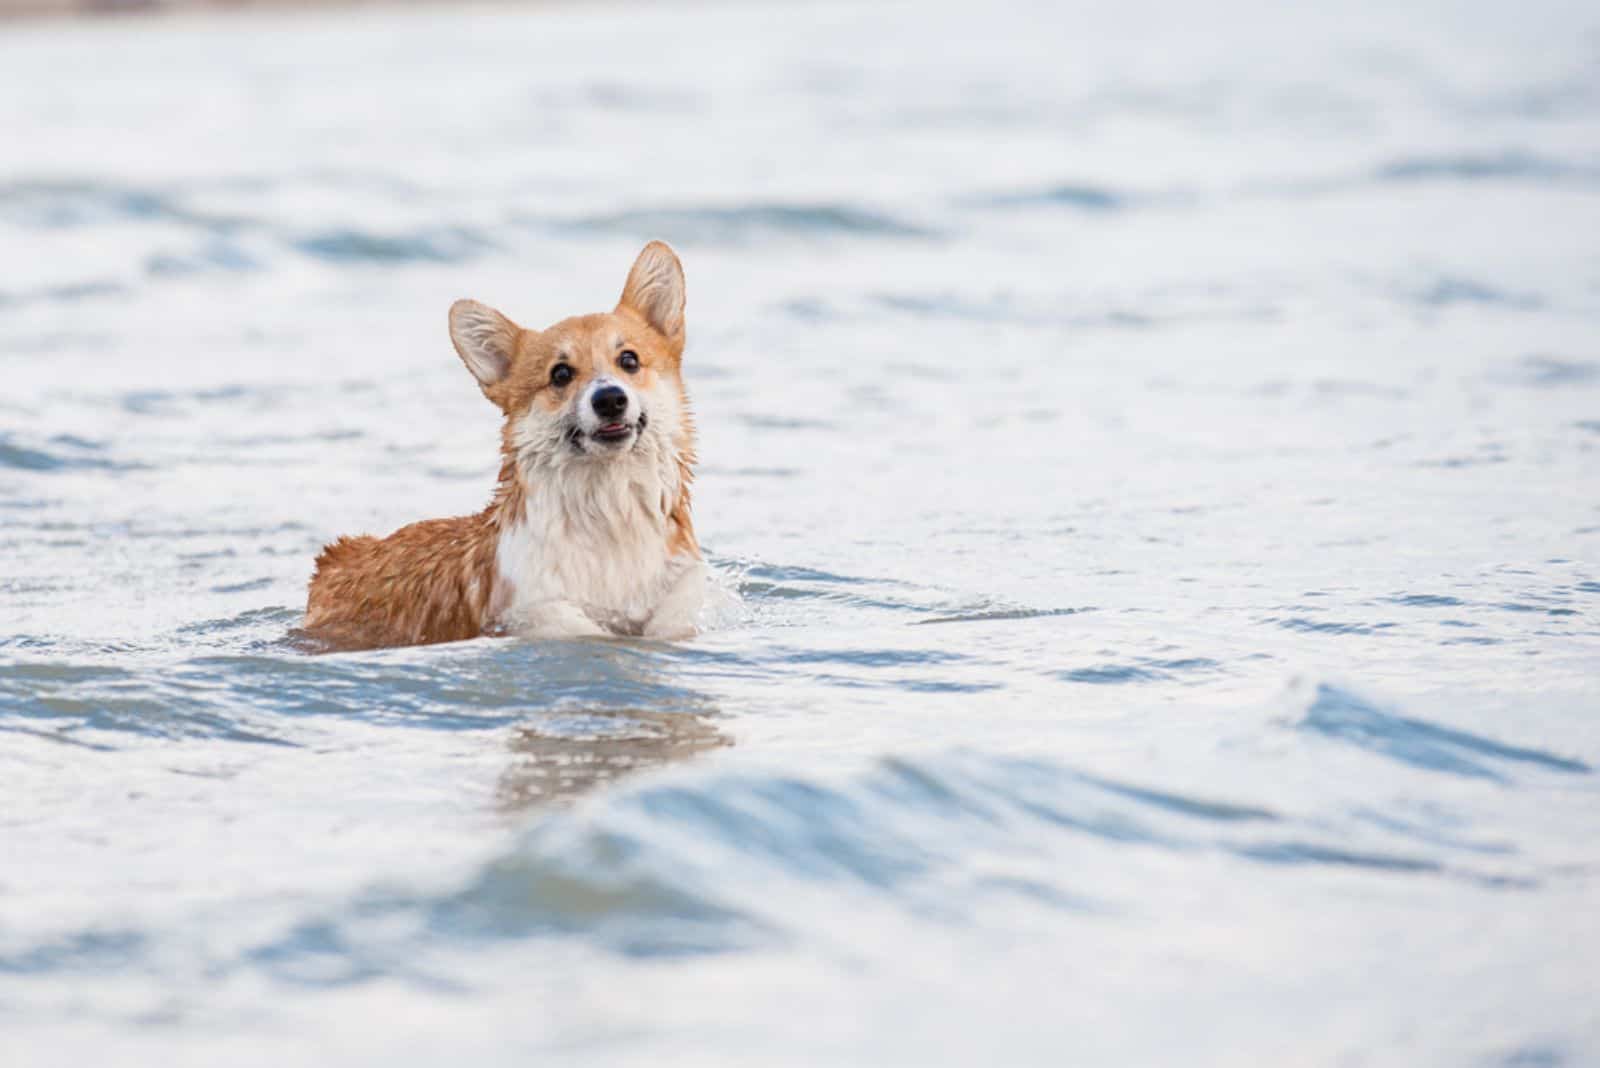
(609, 433)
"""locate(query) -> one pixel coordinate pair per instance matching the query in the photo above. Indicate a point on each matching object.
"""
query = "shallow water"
(1156, 452)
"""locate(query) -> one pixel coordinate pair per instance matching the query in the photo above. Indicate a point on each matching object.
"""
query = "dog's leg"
(677, 614)
(557, 619)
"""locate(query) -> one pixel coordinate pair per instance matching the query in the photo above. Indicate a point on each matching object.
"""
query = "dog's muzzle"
(609, 414)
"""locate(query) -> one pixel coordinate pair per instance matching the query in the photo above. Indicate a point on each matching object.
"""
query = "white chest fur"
(590, 555)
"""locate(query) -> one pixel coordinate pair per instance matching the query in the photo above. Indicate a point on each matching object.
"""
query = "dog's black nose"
(609, 402)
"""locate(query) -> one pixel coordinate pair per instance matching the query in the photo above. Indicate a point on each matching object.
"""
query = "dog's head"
(594, 388)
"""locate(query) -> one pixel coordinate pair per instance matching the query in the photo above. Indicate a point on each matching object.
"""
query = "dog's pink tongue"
(611, 428)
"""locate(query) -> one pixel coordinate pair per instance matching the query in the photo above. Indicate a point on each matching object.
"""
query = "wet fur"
(581, 537)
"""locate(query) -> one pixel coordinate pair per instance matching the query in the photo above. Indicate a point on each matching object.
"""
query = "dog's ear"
(486, 342)
(655, 291)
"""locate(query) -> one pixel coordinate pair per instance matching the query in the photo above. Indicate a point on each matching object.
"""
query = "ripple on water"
(1484, 167)
(1342, 716)
(759, 582)
(1144, 670)
(88, 203)
(254, 687)
(434, 244)
(1000, 615)
(1425, 600)
(1452, 290)
(1543, 371)
(63, 452)
(211, 255)
(1313, 626)
(90, 704)
(715, 861)
(740, 223)
(1075, 195)
(268, 623)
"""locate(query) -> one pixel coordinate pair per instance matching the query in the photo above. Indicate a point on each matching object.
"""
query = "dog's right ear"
(486, 342)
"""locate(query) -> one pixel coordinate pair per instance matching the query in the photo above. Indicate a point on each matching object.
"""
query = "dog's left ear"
(655, 291)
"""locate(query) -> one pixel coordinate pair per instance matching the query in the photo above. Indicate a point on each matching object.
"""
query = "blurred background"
(1153, 448)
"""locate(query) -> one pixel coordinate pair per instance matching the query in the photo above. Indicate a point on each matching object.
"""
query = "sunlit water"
(1156, 450)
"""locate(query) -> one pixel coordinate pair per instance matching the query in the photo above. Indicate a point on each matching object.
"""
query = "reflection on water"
(568, 753)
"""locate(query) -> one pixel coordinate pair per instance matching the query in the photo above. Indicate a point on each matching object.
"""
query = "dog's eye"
(628, 361)
(560, 375)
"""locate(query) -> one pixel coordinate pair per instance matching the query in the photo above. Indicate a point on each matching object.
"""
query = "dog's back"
(427, 582)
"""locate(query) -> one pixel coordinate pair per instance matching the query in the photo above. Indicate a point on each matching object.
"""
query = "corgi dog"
(588, 531)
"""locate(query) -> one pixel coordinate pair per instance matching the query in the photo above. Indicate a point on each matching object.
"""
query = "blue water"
(1156, 452)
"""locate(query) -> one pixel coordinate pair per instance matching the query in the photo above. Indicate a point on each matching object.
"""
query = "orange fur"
(451, 579)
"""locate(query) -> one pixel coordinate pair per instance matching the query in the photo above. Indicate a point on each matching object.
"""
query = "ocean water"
(1156, 450)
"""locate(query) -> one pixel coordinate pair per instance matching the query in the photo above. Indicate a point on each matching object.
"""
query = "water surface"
(1155, 450)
